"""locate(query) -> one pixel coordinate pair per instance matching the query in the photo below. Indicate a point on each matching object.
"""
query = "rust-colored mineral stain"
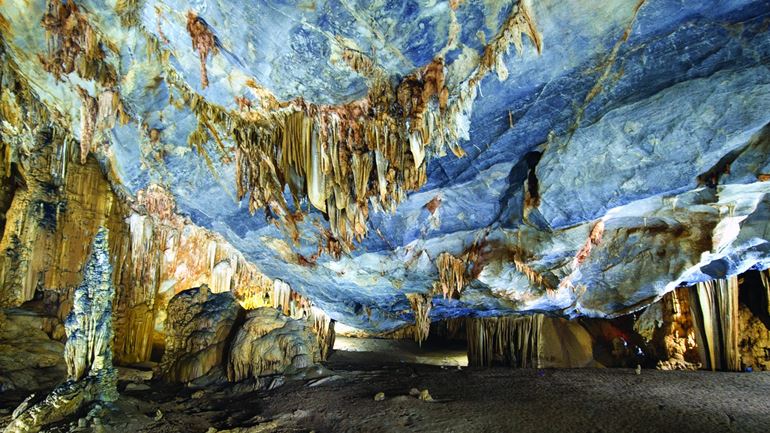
(433, 204)
(203, 41)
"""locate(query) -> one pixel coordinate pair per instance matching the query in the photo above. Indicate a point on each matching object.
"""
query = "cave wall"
(53, 217)
(52, 202)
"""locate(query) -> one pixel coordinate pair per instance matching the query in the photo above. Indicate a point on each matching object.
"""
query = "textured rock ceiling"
(627, 156)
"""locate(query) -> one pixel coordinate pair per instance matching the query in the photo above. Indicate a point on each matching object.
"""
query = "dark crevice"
(711, 177)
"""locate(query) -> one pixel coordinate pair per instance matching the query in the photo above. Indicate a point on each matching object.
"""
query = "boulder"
(271, 343)
(198, 328)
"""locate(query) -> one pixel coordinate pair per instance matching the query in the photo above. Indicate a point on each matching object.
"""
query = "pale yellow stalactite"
(451, 271)
(421, 306)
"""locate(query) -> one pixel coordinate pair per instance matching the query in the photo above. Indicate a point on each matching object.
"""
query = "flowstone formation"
(533, 341)
(668, 327)
(91, 376)
(271, 343)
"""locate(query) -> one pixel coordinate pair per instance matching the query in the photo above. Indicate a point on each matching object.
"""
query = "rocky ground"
(464, 400)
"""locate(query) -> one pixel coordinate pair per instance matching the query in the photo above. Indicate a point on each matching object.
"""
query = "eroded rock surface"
(199, 328)
(29, 359)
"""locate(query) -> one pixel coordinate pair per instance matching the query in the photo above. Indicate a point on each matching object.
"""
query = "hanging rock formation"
(88, 351)
(199, 327)
(323, 326)
(271, 343)
(421, 305)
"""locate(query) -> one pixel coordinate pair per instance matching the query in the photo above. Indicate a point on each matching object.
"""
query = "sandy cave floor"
(466, 400)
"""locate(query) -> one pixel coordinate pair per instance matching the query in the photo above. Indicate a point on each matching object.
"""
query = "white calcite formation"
(592, 166)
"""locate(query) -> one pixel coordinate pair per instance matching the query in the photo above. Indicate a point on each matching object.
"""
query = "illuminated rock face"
(271, 343)
(611, 151)
(199, 327)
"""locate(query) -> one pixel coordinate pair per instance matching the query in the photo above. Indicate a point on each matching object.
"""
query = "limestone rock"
(564, 344)
(425, 395)
(755, 341)
(198, 327)
(271, 343)
(667, 327)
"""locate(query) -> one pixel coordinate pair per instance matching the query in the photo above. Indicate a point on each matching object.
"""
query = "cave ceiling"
(574, 157)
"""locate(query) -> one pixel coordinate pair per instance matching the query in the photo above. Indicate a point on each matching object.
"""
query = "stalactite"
(257, 293)
(323, 326)
(340, 157)
(715, 316)
(421, 306)
(595, 238)
(74, 46)
(451, 271)
(281, 296)
(167, 255)
(96, 116)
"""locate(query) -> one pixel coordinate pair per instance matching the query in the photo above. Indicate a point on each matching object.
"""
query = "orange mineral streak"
(595, 238)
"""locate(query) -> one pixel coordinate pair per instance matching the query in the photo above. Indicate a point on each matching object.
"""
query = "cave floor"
(465, 400)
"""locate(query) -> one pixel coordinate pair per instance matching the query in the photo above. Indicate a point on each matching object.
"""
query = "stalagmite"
(667, 327)
(754, 342)
(715, 317)
(88, 351)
